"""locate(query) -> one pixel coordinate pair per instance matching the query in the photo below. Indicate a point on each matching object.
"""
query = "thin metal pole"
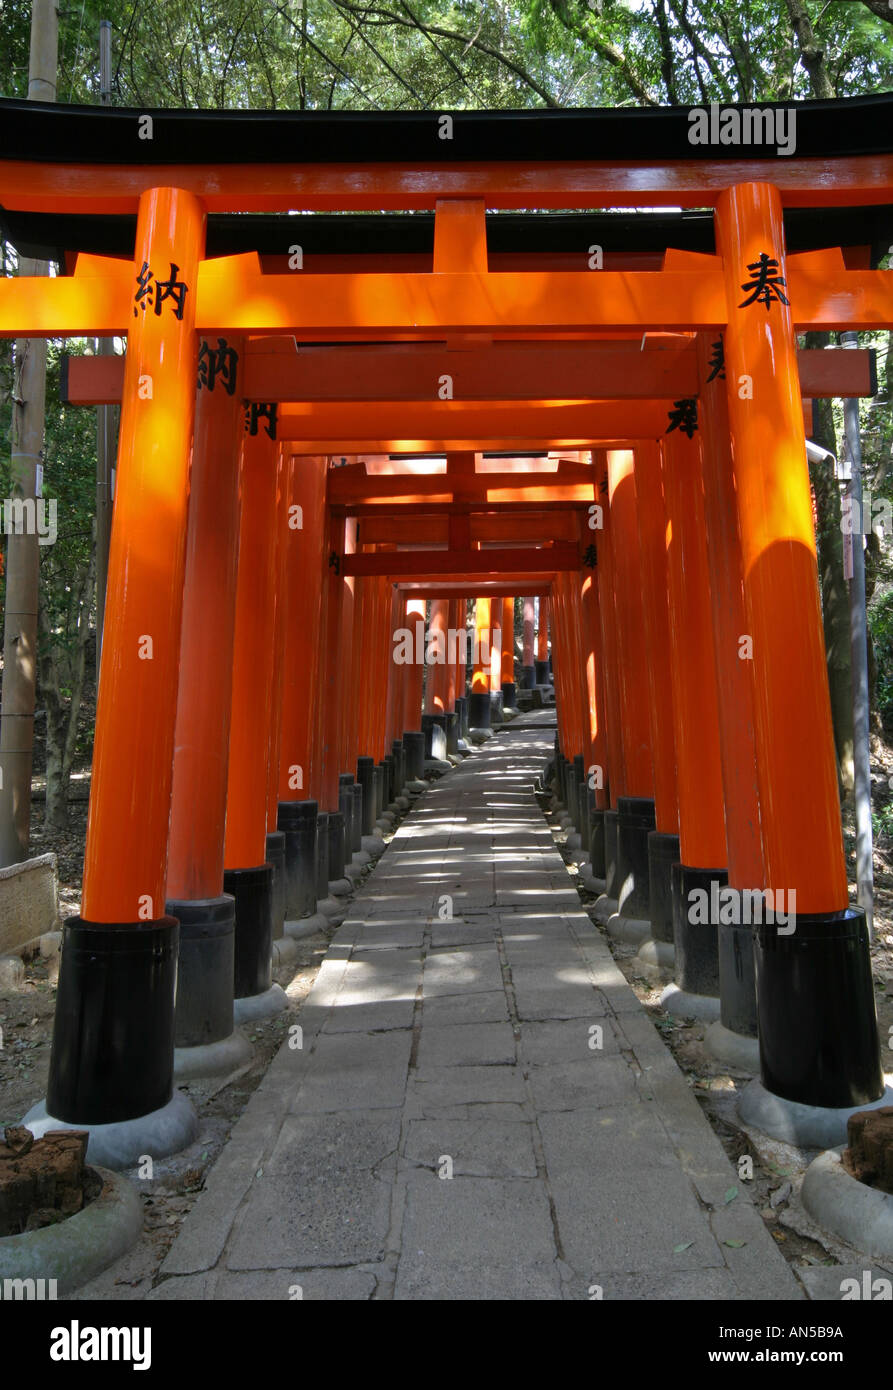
(859, 660)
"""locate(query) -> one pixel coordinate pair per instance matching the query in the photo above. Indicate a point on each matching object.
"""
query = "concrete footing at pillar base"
(333, 911)
(123, 1143)
(590, 882)
(480, 735)
(734, 1049)
(374, 846)
(340, 887)
(437, 767)
(76, 1250)
(285, 951)
(656, 955)
(213, 1059)
(809, 1126)
(604, 908)
(685, 1005)
(629, 929)
(848, 1208)
(307, 926)
(253, 1007)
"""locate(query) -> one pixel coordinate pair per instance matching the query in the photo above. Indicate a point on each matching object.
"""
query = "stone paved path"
(502, 1046)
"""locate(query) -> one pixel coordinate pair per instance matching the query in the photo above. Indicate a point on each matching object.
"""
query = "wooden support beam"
(502, 371)
(465, 563)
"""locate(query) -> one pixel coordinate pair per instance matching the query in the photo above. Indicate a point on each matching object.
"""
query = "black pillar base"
(399, 766)
(495, 707)
(479, 709)
(509, 695)
(113, 1038)
(461, 707)
(570, 793)
(378, 790)
(253, 964)
(434, 729)
(204, 1001)
(528, 677)
(366, 779)
(635, 823)
(452, 732)
(695, 927)
(336, 846)
(275, 854)
(663, 853)
(297, 821)
(414, 744)
(737, 974)
(390, 789)
(541, 669)
(356, 820)
(345, 806)
(816, 1010)
(597, 841)
(322, 856)
(611, 876)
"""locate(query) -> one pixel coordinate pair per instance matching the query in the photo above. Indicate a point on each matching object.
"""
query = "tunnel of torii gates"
(327, 421)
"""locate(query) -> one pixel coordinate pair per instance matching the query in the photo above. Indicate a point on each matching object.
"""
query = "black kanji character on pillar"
(717, 363)
(684, 416)
(171, 289)
(144, 290)
(603, 485)
(255, 412)
(590, 557)
(764, 283)
(221, 362)
(334, 562)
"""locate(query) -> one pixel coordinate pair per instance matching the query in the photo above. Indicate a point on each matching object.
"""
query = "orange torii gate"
(169, 296)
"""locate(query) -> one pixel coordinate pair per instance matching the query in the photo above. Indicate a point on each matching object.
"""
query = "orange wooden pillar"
(278, 539)
(605, 575)
(248, 876)
(112, 1055)
(479, 698)
(460, 699)
(300, 772)
(395, 682)
(299, 768)
(663, 841)
(814, 981)
(414, 669)
(701, 871)
(507, 674)
(594, 747)
(528, 670)
(455, 651)
(734, 678)
(201, 745)
(332, 661)
(437, 686)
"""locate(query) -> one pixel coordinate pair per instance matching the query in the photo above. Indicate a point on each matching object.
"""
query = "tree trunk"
(64, 667)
